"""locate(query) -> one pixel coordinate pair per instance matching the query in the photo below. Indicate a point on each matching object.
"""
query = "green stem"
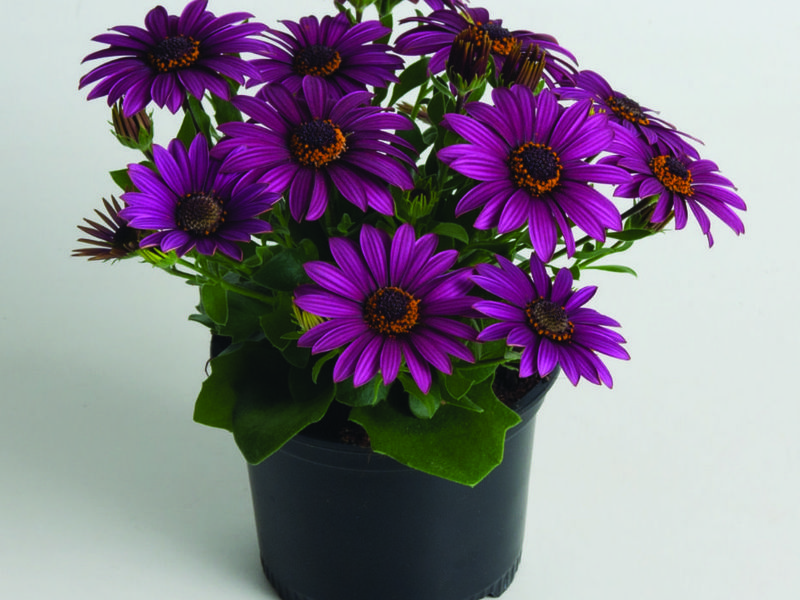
(226, 285)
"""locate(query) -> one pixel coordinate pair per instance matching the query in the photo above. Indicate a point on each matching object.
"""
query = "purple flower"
(441, 4)
(192, 204)
(678, 181)
(111, 240)
(637, 119)
(389, 301)
(172, 56)
(317, 145)
(548, 321)
(437, 32)
(529, 154)
(344, 56)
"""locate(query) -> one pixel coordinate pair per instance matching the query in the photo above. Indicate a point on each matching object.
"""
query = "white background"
(682, 482)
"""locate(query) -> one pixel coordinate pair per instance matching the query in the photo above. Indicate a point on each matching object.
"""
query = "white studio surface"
(681, 482)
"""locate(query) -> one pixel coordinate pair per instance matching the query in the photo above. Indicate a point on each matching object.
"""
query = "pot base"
(493, 591)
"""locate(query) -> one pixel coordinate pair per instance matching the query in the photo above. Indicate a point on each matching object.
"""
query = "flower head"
(111, 240)
(529, 154)
(436, 33)
(345, 56)
(636, 118)
(679, 181)
(548, 320)
(388, 301)
(441, 4)
(315, 144)
(173, 55)
(191, 204)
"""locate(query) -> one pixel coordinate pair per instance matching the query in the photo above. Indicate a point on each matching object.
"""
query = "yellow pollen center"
(628, 109)
(549, 320)
(535, 167)
(673, 174)
(317, 143)
(173, 53)
(391, 311)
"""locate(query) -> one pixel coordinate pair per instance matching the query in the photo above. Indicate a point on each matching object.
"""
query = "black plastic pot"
(339, 522)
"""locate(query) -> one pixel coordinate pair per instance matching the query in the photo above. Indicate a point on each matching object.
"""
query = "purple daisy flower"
(436, 33)
(192, 204)
(548, 321)
(172, 56)
(317, 144)
(637, 119)
(679, 181)
(389, 301)
(342, 55)
(529, 154)
(442, 4)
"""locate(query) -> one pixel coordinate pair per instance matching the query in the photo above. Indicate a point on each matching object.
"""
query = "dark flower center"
(173, 53)
(535, 167)
(316, 60)
(126, 238)
(316, 143)
(627, 109)
(199, 213)
(502, 40)
(391, 311)
(549, 320)
(673, 174)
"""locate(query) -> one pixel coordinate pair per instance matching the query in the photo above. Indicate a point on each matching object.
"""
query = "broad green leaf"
(422, 405)
(215, 302)
(250, 393)
(459, 445)
(368, 394)
(276, 324)
(452, 230)
(284, 270)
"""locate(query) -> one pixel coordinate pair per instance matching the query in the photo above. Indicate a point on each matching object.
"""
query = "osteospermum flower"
(636, 118)
(172, 56)
(548, 320)
(436, 33)
(441, 4)
(678, 181)
(315, 144)
(388, 302)
(529, 154)
(344, 56)
(191, 204)
(110, 240)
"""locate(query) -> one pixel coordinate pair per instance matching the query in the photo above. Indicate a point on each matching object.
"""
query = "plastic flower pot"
(340, 522)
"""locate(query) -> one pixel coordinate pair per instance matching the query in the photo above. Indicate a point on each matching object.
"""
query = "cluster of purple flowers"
(314, 134)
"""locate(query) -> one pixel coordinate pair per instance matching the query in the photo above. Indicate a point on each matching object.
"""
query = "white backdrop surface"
(681, 482)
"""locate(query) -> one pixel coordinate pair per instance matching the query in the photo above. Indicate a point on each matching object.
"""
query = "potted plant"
(385, 220)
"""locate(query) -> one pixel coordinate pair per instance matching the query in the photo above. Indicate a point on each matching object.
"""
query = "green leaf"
(214, 300)
(412, 76)
(249, 393)
(122, 179)
(224, 110)
(284, 270)
(452, 230)
(460, 445)
(613, 269)
(422, 405)
(276, 324)
(265, 418)
(368, 394)
(629, 235)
